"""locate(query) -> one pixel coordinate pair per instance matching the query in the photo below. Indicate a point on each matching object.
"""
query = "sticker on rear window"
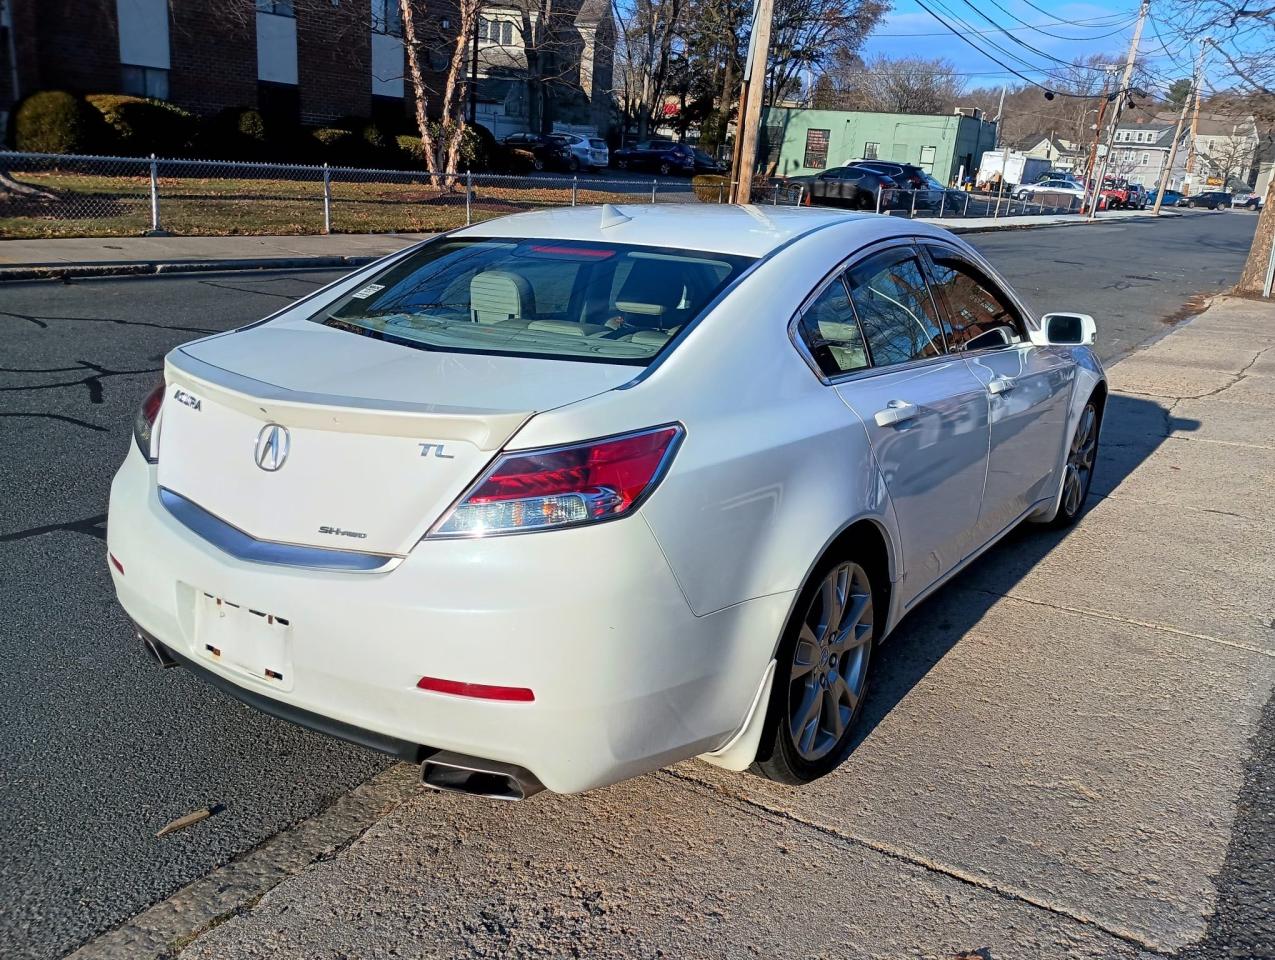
(367, 291)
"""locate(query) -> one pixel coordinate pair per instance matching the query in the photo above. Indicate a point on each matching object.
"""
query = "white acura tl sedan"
(558, 499)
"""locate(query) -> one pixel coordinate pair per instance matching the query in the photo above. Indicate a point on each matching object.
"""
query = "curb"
(1079, 222)
(70, 271)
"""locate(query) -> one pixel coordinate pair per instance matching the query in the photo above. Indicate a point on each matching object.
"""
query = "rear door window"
(831, 332)
(895, 309)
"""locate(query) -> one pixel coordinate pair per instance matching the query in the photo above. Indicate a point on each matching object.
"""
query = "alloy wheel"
(1080, 461)
(830, 661)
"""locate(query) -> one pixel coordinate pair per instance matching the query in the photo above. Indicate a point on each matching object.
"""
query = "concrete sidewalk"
(118, 256)
(1049, 764)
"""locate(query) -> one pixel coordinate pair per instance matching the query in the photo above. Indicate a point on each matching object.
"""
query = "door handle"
(896, 412)
(1000, 385)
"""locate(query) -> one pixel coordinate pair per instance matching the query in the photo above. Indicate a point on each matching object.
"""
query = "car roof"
(751, 231)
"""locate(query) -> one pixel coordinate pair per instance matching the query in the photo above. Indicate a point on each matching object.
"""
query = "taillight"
(563, 486)
(144, 425)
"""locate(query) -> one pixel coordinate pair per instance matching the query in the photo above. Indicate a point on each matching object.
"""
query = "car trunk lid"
(351, 443)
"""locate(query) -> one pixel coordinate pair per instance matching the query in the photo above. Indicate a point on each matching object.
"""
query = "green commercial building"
(797, 141)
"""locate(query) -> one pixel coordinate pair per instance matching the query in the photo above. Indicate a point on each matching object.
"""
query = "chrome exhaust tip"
(457, 773)
(157, 650)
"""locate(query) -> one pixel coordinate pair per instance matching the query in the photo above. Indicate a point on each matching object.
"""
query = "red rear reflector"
(481, 691)
(116, 564)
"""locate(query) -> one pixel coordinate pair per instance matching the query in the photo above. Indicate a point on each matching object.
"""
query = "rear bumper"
(625, 677)
(282, 710)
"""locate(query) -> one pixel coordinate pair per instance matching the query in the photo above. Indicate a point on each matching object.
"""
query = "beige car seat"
(498, 296)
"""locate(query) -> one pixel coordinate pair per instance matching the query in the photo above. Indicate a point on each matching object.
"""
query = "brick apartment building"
(307, 61)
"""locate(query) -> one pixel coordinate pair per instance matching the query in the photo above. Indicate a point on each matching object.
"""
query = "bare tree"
(904, 85)
(1243, 36)
(808, 35)
(441, 144)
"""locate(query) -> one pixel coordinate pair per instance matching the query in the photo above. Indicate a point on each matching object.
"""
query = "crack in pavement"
(93, 382)
(930, 866)
(1131, 621)
(1236, 378)
(76, 421)
(261, 293)
(90, 526)
(43, 322)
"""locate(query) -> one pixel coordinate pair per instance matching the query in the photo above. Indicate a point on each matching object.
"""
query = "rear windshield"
(598, 144)
(561, 299)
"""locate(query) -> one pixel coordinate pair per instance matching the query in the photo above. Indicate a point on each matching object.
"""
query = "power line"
(1097, 22)
(1047, 33)
(1026, 79)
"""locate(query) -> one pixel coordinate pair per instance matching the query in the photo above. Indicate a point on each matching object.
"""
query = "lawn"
(106, 206)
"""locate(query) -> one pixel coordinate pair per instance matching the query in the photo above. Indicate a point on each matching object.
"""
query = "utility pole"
(1122, 98)
(751, 96)
(1000, 112)
(1195, 120)
(1177, 132)
(1088, 201)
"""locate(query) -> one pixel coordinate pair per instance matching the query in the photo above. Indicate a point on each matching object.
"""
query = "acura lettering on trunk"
(688, 468)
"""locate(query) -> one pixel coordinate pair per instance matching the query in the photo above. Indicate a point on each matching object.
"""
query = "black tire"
(622, 164)
(537, 164)
(573, 165)
(1191, 204)
(779, 755)
(1072, 504)
(665, 169)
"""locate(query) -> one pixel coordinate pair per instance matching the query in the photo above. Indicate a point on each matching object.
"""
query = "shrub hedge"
(54, 121)
(709, 187)
(141, 126)
(57, 122)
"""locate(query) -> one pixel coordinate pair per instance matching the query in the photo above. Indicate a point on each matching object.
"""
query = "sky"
(1067, 31)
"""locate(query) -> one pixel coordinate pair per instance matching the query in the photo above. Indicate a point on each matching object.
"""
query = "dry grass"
(104, 206)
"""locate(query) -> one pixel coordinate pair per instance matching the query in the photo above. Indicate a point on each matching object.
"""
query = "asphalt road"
(102, 748)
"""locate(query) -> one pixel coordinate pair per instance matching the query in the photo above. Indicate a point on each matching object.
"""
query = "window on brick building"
(144, 81)
(280, 8)
(500, 32)
(387, 17)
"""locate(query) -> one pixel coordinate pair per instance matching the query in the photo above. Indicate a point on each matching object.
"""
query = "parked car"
(404, 510)
(1246, 199)
(1059, 175)
(1171, 198)
(705, 163)
(588, 153)
(854, 188)
(1136, 198)
(1068, 187)
(1213, 199)
(908, 176)
(540, 152)
(665, 157)
(934, 196)
(1116, 193)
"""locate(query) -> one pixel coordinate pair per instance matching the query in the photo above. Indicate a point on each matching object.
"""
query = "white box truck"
(1013, 166)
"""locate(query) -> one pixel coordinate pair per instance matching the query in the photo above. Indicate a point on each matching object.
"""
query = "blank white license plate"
(250, 641)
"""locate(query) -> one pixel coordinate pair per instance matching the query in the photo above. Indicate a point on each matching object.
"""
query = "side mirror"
(1068, 329)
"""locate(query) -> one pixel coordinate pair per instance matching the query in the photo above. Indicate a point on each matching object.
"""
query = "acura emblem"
(273, 443)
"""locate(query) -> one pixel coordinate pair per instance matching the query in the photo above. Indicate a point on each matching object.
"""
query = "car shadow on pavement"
(1133, 429)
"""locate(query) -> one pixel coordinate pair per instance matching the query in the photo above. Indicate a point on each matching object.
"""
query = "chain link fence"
(52, 195)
